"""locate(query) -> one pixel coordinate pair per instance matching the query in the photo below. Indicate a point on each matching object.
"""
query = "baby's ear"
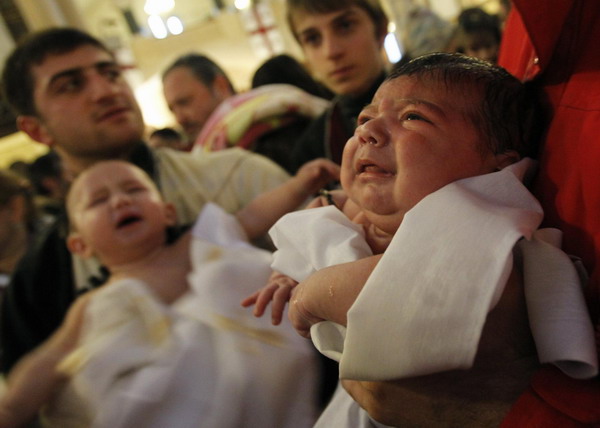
(170, 214)
(77, 245)
(507, 158)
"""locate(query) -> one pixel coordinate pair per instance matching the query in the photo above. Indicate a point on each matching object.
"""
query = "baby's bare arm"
(278, 291)
(262, 213)
(36, 378)
(329, 293)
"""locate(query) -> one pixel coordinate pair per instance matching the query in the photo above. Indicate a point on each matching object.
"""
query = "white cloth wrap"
(310, 240)
(558, 317)
(203, 362)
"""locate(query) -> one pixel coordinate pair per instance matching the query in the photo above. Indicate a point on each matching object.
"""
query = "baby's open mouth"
(128, 220)
(373, 169)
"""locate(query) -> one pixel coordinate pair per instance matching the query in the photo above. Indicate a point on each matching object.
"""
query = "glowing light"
(156, 7)
(392, 49)
(157, 26)
(174, 25)
(242, 4)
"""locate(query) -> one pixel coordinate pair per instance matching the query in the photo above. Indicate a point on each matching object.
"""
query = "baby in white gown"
(164, 342)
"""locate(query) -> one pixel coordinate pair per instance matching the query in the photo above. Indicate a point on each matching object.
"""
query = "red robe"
(557, 44)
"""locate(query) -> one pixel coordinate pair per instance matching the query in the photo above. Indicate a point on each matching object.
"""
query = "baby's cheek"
(346, 177)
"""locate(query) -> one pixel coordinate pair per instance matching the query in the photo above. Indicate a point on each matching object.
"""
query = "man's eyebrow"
(78, 70)
(348, 13)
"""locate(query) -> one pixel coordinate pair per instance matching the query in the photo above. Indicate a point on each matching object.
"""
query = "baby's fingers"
(280, 298)
(250, 300)
(264, 298)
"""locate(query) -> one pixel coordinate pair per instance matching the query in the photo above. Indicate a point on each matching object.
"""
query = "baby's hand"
(317, 173)
(278, 290)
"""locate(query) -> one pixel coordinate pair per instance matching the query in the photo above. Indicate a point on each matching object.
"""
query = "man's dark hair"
(508, 117)
(202, 67)
(474, 20)
(17, 77)
(45, 166)
(319, 7)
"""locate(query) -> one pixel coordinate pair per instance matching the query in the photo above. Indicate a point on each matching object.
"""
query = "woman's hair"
(508, 117)
(319, 7)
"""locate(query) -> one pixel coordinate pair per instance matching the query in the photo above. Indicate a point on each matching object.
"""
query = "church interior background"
(147, 35)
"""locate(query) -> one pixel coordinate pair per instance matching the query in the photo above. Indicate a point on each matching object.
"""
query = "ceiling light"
(157, 7)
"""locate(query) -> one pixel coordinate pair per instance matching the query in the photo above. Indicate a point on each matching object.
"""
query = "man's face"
(86, 109)
(190, 100)
(117, 212)
(483, 46)
(341, 48)
(413, 139)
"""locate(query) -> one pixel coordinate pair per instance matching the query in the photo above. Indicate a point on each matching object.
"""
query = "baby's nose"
(121, 199)
(369, 140)
(372, 133)
(373, 139)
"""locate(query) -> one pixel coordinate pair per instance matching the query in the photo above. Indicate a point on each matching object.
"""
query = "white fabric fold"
(306, 250)
(558, 315)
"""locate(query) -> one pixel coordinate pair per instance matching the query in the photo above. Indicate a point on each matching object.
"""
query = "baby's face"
(115, 209)
(413, 139)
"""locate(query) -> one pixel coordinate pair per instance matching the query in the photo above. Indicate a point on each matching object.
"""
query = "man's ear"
(77, 245)
(170, 214)
(507, 158)
(33, 127)
(221, 87)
